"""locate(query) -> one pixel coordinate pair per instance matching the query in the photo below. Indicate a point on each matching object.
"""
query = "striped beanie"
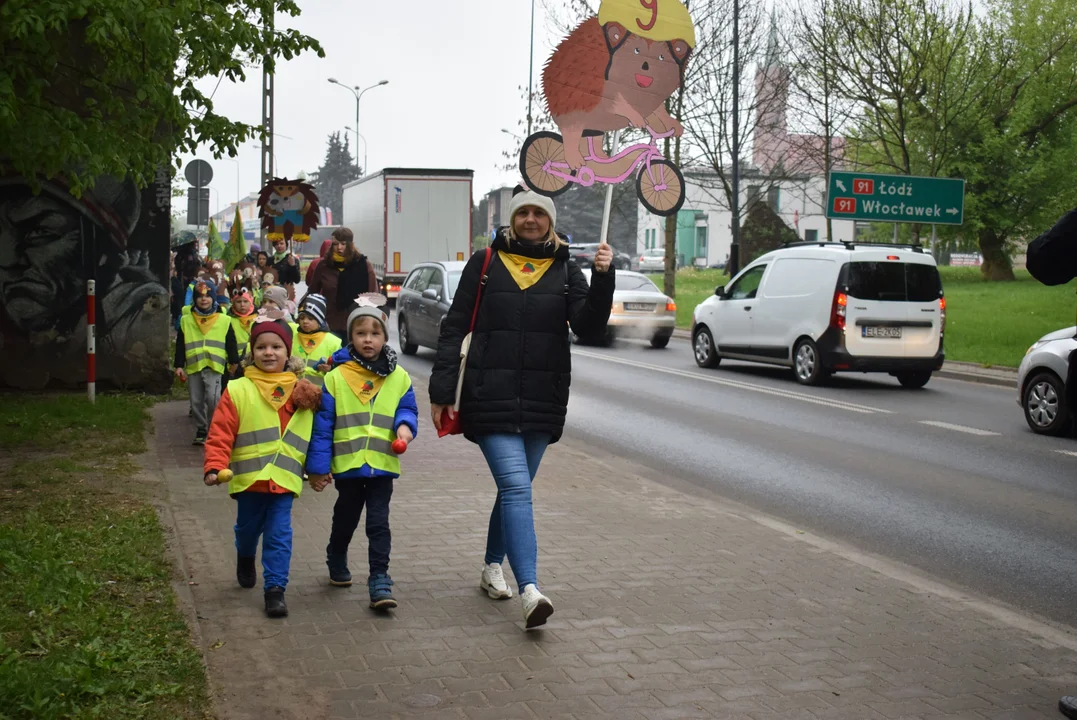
(314, 305)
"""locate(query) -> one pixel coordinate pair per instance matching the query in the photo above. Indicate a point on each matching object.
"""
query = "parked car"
(584, 255)
(653, 260)
(424, 302)
(1043, 379)
(821, 308)
(640, 310)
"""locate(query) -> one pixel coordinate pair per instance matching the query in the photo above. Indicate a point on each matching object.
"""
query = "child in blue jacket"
(367, 404)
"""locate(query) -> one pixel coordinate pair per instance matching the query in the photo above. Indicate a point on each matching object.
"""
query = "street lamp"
(365, 168)
(354, 90)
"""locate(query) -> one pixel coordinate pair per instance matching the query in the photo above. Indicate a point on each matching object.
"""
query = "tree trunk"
(997, 264)
(669, 279)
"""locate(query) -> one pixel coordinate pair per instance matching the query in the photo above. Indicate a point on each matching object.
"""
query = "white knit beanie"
(524, 198)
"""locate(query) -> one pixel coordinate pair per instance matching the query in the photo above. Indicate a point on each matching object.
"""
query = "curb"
(968, 372)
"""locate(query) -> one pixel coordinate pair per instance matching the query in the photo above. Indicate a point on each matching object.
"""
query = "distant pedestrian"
(287, 266)
(260, 435)
(515, 390)
(340, 278)
(252, 254)
(367, 404)
(326, 247)
(201, 354)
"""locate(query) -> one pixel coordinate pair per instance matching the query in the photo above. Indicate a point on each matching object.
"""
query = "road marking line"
(1071, 453)
(959, 428)
(839, 404)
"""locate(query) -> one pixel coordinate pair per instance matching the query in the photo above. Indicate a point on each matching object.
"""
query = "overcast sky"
(454, 68)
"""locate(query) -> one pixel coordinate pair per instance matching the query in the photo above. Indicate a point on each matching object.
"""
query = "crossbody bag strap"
(482, 283)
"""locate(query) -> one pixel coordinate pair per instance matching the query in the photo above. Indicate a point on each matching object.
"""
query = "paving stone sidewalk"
(670, 604)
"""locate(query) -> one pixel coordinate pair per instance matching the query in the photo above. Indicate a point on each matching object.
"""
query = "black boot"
(275, 606)
(245, 572)
(339, 575)
(1068, 706)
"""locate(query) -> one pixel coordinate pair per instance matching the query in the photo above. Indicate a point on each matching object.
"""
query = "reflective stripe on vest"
(243, 336)
(259, 452)
(202, 351)
(364, 434)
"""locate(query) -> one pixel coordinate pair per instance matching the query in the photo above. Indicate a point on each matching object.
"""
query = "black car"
(424, 302)
(584, 255)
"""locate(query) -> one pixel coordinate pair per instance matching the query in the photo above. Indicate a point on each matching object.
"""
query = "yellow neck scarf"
(276, 388)
(205, 323)
(524, 270)
(245, 322)
(363, 383)
(309, 341)
(338, 258)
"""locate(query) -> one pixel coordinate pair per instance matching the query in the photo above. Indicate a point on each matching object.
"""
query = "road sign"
(895, 198)
(198, 173)
(197, 206)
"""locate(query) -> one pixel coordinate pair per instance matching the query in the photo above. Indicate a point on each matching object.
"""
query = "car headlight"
(1034, 346)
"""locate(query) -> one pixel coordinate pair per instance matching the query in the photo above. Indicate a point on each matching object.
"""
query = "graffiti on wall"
(51, 243)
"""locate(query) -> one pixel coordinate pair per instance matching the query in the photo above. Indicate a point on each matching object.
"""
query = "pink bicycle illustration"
(659, 183)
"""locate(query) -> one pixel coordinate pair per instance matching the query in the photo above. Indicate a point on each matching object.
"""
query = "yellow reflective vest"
(323, 350)
(259, 451)
(204, 350)
(364, 434)
(243, 334)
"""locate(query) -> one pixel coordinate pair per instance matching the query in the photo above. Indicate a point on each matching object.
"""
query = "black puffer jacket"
(519, 366)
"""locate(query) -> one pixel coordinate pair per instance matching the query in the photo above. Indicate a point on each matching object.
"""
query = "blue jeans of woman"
(514, 460)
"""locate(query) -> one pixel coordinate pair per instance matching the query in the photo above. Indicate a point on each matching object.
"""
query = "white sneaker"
(537, 607)
(493, 582)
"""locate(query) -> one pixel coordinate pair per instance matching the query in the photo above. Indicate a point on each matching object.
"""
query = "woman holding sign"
(514, 393)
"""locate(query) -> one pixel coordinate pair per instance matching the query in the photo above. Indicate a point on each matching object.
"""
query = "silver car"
(640, 310)
(653, 260)
(1042, 380)
(424, 301)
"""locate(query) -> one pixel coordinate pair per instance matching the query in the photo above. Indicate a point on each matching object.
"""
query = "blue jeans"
(269, 516)
(514, 460)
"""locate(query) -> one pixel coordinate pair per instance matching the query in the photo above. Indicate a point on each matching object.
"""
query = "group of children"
(299, 407)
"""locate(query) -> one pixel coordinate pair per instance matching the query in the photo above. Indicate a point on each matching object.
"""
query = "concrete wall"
(50, 244)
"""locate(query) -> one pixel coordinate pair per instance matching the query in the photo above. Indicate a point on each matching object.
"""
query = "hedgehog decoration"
(288, 209)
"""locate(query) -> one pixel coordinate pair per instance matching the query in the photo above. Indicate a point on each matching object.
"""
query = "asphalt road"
(947, 479)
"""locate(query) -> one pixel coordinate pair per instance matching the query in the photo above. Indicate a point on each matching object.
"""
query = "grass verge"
(88, 622)
(987, 323)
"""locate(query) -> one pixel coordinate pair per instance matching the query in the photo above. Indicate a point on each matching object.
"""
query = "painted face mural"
(613, 72)
(51, 243)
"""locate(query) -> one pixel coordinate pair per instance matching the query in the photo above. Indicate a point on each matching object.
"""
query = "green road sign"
(895, 198)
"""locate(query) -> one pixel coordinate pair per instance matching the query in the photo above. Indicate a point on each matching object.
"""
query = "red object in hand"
(399, 446)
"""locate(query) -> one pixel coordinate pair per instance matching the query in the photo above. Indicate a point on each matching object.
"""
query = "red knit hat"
(277, 327)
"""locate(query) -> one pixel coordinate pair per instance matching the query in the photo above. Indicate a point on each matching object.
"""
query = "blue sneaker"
(339, 576)
(381, 592)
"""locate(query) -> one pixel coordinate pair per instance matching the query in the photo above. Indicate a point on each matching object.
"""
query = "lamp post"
(531, 70)
(360, 137)
(734, 249)
(354, 90)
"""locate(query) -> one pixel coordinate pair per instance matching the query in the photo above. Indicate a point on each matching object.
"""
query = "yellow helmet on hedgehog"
(659, 20)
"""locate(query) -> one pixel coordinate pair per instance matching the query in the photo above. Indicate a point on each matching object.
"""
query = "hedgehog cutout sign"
(615, 71)
(288, 210)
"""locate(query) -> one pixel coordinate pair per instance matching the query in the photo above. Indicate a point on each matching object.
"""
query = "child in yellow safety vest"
(241, 315)
(258, 445)
(201, 354)
(314, 344)
(367, 416)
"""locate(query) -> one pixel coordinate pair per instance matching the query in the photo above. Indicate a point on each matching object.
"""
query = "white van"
(828, 307)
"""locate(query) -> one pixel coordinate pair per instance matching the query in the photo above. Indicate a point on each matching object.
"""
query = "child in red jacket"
(258, 444)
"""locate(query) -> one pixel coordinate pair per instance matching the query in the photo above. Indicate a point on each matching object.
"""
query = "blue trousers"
(269, 516)
(514, 461)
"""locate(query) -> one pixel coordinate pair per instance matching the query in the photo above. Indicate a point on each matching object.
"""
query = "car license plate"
(639, 307)
(881, 332)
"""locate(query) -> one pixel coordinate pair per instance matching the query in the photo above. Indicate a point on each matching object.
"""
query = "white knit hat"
(525, 198)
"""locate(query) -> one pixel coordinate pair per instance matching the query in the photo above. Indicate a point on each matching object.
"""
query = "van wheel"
(408, 348)
(914, 380)
(807, 366)
(1044, 402)
(704, 349)
(660, 341)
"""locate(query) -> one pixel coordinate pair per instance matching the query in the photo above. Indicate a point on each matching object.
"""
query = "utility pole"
(267, 113)
(734, 248)
(531, 70)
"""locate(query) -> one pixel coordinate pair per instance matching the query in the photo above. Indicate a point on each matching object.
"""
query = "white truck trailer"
(405, 216)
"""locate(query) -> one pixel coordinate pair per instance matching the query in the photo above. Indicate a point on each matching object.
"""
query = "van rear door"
(893, 306)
